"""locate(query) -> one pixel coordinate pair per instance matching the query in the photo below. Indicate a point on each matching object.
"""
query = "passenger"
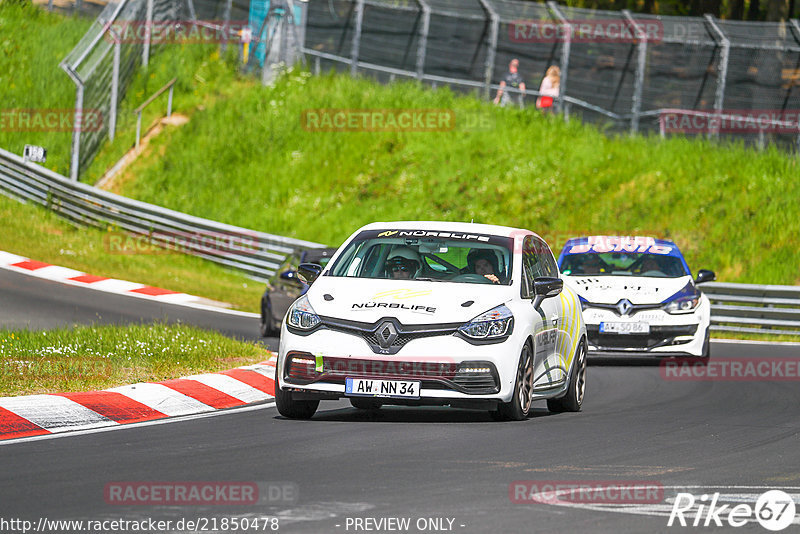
(483, 262)
(593, 264)
(650, 265)
(403, 264)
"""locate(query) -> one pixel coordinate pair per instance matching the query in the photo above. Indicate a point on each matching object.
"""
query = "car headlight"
(493, 324)
(301, 315)
(682, 305)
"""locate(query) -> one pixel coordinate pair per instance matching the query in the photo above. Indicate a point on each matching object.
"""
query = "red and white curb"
(36, 415)
(65, 275)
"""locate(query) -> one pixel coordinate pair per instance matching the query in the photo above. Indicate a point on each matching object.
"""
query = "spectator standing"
(511, 79)
(549, 90)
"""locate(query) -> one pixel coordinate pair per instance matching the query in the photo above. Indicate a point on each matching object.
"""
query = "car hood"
(637, 289)
(411, 302)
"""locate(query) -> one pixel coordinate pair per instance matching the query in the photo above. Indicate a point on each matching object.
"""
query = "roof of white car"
(465, 227)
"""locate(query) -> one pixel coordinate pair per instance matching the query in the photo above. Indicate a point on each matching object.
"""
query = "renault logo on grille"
(387, 333)
(624, 307)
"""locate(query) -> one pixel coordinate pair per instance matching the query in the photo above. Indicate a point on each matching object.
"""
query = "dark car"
(285, 287)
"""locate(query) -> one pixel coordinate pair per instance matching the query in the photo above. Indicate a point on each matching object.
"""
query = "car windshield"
(623, 264)
(427, 255)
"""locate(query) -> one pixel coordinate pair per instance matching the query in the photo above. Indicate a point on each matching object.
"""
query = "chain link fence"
(641, 73)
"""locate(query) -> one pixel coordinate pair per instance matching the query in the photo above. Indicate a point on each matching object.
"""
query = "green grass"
(32, 43)
(36, 233)
(247, 160)
(99, 357)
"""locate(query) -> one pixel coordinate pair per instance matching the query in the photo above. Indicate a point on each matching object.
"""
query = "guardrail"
(257, 254)
(169, 85)
(750, 308)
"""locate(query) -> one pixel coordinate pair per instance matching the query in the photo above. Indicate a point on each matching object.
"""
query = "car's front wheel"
(294, 409)
(520, 405)
(573, 400)
(267, 327)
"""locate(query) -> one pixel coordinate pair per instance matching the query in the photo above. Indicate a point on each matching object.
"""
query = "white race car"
(434, 313)
(638, 296)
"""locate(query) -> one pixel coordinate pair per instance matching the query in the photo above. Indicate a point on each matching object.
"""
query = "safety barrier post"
(422, 44)
(356, 38)
(722, 70)
(494, 19)
(566, 47)
(641, 64)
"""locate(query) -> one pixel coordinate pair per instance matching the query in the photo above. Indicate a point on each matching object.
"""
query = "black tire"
(520, 405)
(573, 400)
(361, 403)
(294, 409)
(267, 327)
(707, 345)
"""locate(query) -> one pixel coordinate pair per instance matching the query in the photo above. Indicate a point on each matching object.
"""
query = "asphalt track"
(403, 462)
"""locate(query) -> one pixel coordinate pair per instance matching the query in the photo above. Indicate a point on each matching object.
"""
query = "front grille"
(659, 336)
(432, 374)
(378, 337)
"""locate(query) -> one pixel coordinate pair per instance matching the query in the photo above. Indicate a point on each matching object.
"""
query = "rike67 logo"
(774, 510)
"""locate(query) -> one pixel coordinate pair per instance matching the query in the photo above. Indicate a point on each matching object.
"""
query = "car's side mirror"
(704, 275)
(308, 272)
(545, 287)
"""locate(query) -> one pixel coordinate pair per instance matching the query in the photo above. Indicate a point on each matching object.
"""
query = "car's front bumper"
(669, 335)
(445, 366)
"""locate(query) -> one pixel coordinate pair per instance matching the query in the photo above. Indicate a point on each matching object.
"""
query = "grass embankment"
(32, 43)
(247, 160)
(36, 233)
(100, 357)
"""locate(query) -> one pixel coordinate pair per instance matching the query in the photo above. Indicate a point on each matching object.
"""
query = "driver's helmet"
(485, 254)
(405, 257)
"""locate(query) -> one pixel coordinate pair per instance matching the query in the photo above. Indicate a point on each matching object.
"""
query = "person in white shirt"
(549, 89)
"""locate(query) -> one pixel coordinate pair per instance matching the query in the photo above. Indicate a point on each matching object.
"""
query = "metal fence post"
(226, 19)
(641, 63)
(356, 38)
(74, 166)
(492, 52)
(422, 44)
(565, 52)
(148, 29)
(112, 111)
(722, 71)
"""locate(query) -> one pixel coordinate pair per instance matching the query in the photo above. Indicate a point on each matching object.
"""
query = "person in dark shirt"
(511, 79)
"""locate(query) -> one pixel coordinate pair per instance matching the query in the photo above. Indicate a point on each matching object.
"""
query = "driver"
(593, 264)
(649, 263)
(483, 262)
(403, 264)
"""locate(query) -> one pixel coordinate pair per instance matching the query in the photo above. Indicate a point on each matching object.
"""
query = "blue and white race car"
(638, 296)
